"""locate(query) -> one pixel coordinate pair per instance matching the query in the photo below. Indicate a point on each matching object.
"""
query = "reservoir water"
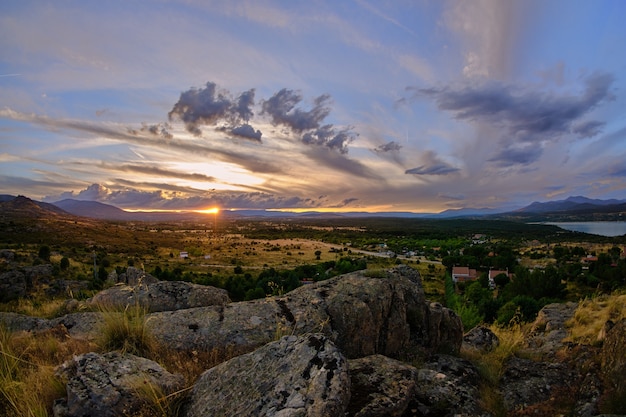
(609, 229)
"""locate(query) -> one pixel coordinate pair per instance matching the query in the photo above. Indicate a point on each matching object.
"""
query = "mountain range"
(573, 208)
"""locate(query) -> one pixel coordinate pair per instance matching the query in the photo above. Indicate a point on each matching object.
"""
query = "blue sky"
(326, 105)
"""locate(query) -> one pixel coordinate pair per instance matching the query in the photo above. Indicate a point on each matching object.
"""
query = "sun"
(212, 210)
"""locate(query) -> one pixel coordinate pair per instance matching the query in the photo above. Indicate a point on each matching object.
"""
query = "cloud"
(247, 132)
(133, 198)
(330, 137)
(525, 118)
(209, 106)
(432, 165)
(588, 129)
(524, 155)
(159, 129)
(388, 147)
(282, 109)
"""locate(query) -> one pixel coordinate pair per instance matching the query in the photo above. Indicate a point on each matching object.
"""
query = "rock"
(132, 277)
(480, 339)
(161, 296)
(525, 382)
(613, 357)
(112, 384)
(83, 325)
(12, 285)
(380, 387)
(548, 330)
(7, 254)
(446, 386)
(20, 322)
(294, 376)
(362, 315)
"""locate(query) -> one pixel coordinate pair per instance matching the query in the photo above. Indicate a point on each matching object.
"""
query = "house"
(494, 273)
(463, 274)
(184, 255)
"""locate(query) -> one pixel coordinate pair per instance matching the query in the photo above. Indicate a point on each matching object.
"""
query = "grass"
(28, 386)
(490, 365)
(126, 331)
(591, 316)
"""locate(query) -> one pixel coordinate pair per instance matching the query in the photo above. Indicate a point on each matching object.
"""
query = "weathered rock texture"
(16, 283)
(380, 386)
(361, 314)
(480, 339)
(161, 296)
(295, 376)
(548, 330)
(614, 357)
(112, 385)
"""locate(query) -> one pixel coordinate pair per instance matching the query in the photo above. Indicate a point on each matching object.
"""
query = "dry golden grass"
(28, 386)
(490, 365)
(592, 314)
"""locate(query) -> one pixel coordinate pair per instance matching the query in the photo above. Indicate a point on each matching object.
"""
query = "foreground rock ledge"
(295, 376)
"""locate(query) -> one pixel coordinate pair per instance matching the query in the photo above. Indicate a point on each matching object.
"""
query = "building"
(463, 274)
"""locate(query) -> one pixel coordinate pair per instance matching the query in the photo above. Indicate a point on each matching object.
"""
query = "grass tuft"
(126, 331)
(591, 316)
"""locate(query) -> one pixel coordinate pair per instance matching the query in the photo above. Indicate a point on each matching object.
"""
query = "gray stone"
(112, 384)
(361, 314)
(548, 330)
(13, 285)
(380, 387)
(161, 296)
(525, 382)
(480, 339)
(294, 376)
(613, 357)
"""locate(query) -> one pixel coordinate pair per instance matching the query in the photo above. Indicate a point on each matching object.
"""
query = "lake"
(609, 229)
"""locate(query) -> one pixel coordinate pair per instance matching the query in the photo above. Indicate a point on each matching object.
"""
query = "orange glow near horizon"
(212, 210)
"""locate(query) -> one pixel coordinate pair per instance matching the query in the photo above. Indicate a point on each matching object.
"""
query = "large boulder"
(525, 383)
(548, 330)
(614, 357)
(112, 384)
(13, 285)
(294, 376)
(380, 387)
(361, 314)
(480, 339)
(161, 296)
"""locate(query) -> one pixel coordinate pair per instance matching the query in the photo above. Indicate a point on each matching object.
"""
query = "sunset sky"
(340, 105)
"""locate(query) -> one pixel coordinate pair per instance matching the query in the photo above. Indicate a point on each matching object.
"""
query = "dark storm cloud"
(588, 129)
(517, 155)
(524, 116)
(388, 147)
(209, 106)
(282, 109)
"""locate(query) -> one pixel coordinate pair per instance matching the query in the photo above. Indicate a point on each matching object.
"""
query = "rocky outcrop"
(380, 387)
(294, 376)
(132, 277)
(480, 339)
(12, 285)
(161, 296)
(16, 283)
(548, 330)
(614, 358)
(112, 384)
(362, 315)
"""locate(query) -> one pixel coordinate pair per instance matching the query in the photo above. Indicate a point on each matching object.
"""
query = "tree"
(44, 253)
(65, 263)
(318, 254)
